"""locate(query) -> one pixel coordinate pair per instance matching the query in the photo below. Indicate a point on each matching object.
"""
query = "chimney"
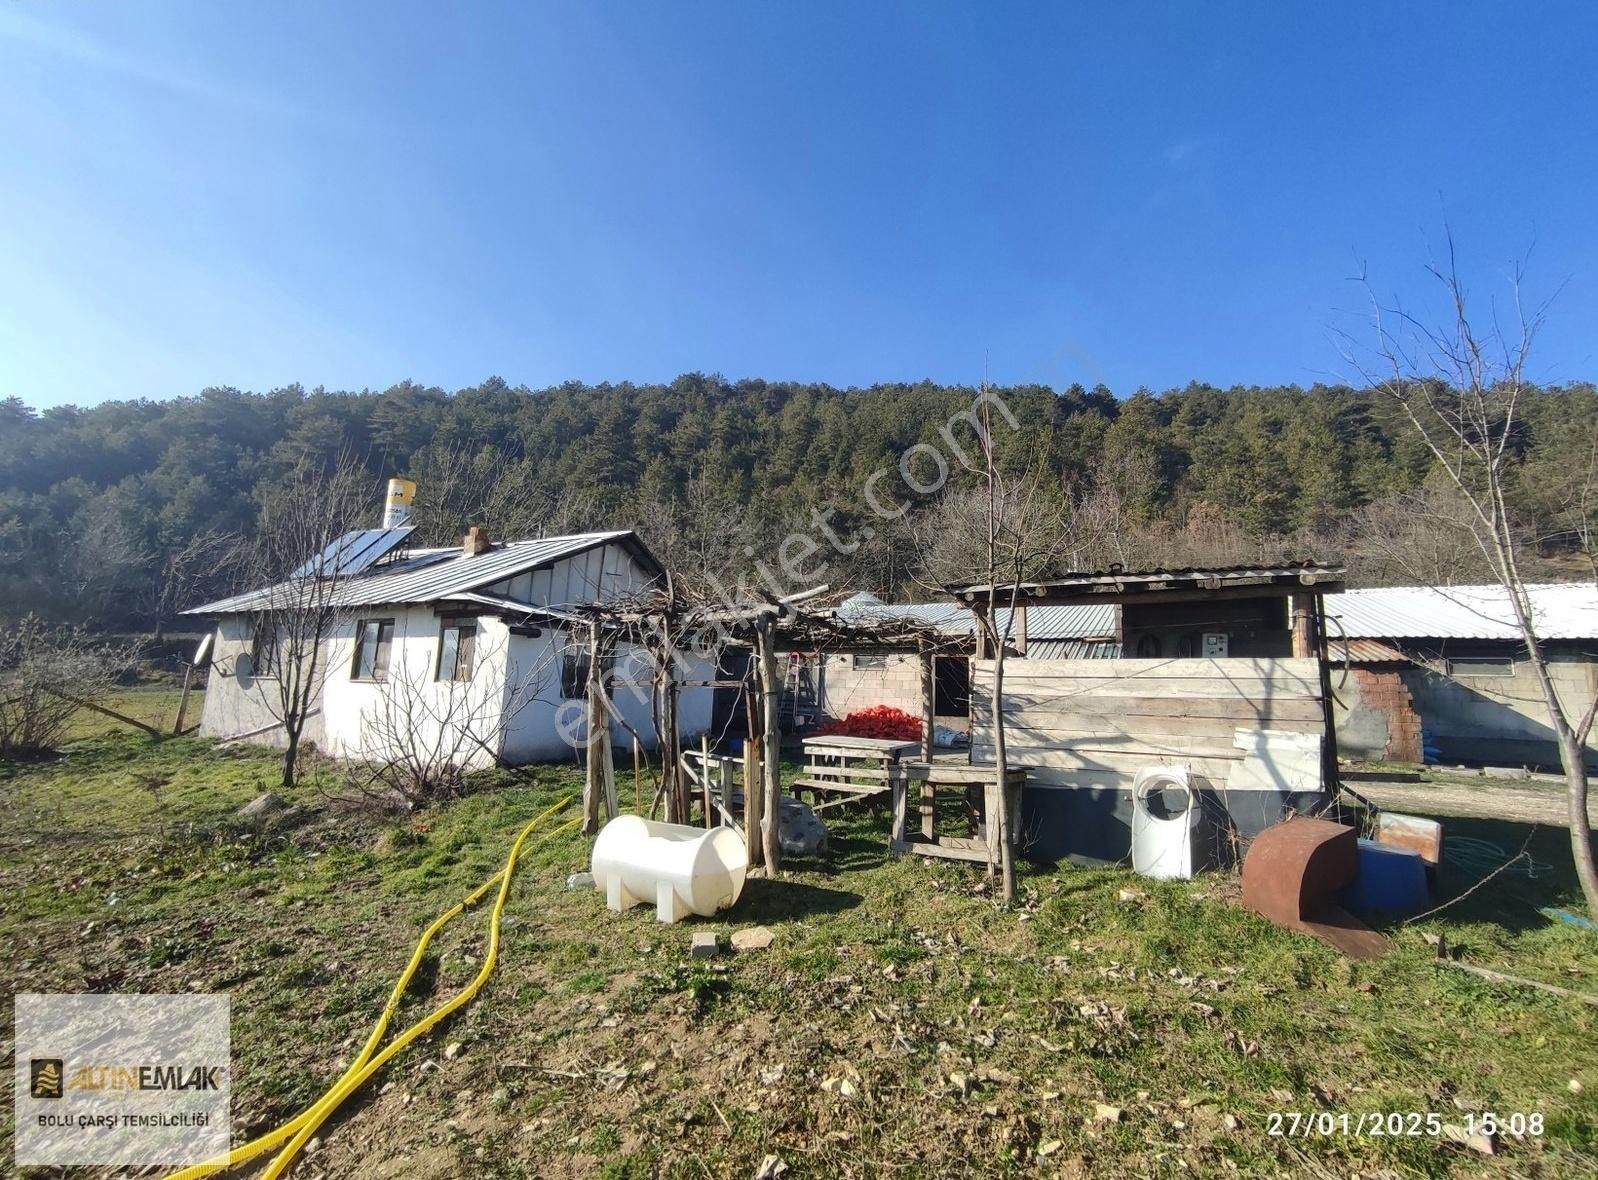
(397, 504)
(475, 541)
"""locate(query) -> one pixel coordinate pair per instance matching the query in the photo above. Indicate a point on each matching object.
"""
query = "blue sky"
(350, 195)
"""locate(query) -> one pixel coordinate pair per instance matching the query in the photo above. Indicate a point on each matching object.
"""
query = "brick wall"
(1384, 689)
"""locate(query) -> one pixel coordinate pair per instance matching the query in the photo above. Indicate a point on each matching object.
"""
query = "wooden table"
(852, 768)
(928, 776)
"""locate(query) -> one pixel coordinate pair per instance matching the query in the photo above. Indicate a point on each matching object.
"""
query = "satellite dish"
(244, 668)
(202, 654)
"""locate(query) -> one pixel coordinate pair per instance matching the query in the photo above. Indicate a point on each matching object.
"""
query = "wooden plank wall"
(1095, 723)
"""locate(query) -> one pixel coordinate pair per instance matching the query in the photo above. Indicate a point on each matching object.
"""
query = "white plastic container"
(1162, 845)
(683, 870)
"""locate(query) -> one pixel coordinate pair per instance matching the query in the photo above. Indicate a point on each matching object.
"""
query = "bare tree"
(1010, 529)
(1460, 385)
(430, 726)
(1423, 536)
(304, 600)
(46, 674)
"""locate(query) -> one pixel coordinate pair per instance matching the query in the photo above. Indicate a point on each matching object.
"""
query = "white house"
(471, 650)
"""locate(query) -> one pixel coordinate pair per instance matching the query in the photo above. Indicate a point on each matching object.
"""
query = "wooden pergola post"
(599, 783)
(671, 751)
(753, 847)
(1303, 610)
(770, 738)
(929, 698)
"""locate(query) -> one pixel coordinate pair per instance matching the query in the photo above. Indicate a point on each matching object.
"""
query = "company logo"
(161, 1078)
(123, 1080)
(44, 1077)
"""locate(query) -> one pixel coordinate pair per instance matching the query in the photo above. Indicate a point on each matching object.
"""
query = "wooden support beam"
(598, 738)
(1302, 610)
(929, 699)
(770, 737)
(753, 846)
(704, 782)
(183, 701)
(137, 724)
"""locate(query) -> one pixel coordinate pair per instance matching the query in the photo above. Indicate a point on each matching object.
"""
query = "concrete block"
(705, 945)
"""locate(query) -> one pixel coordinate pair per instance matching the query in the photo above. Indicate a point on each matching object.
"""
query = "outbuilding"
(1440, 673)
(1219, 674)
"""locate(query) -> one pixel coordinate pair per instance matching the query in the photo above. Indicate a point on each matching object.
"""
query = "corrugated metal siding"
(1562, 611)
(434, 580)
(1072, 649)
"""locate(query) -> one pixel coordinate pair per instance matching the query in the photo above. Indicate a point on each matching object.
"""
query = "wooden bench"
(852, 768)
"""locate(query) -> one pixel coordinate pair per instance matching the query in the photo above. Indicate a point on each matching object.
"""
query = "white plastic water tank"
(1162, 845)
(683, 870)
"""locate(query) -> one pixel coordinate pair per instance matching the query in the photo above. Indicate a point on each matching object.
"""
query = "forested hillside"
(117, 513)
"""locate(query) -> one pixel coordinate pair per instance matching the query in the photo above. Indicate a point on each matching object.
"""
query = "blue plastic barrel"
(1390, 881)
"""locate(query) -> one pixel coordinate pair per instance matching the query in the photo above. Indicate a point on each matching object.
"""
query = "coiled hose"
(299, 1129)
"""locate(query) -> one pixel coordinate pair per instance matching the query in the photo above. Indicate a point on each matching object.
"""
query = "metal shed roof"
(1317, 577)
(1561, 610)
(1095, 621)
(431, 574)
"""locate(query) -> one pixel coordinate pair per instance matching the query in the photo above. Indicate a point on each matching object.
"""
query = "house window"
(263, 648)
(373, 638)
(574, 665)
(863, 663)
(1467, 667)
(457, 647)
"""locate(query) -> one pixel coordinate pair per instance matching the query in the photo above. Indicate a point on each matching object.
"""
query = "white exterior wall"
(237, 704)
(454, 720)
(547, 728)
(1503, 718)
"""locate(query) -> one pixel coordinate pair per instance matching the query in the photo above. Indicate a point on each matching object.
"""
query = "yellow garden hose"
(302, 1126)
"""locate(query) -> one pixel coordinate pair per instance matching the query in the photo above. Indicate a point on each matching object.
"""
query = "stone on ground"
(754, 938)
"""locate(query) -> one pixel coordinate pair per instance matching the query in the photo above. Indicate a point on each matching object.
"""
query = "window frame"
(876, 661)
(1479, 667)
(266, 668)
(575, 655)
(383, 649)
(465, 628)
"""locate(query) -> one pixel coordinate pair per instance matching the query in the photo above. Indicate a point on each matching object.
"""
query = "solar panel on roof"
(354, 552)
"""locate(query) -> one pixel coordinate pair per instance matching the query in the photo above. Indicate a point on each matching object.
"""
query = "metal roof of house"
(1095, 621)
(1561, 611)
(429, 575)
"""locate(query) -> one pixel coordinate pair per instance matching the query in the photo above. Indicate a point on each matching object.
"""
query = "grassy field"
(973, 1040)
(153, 704)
